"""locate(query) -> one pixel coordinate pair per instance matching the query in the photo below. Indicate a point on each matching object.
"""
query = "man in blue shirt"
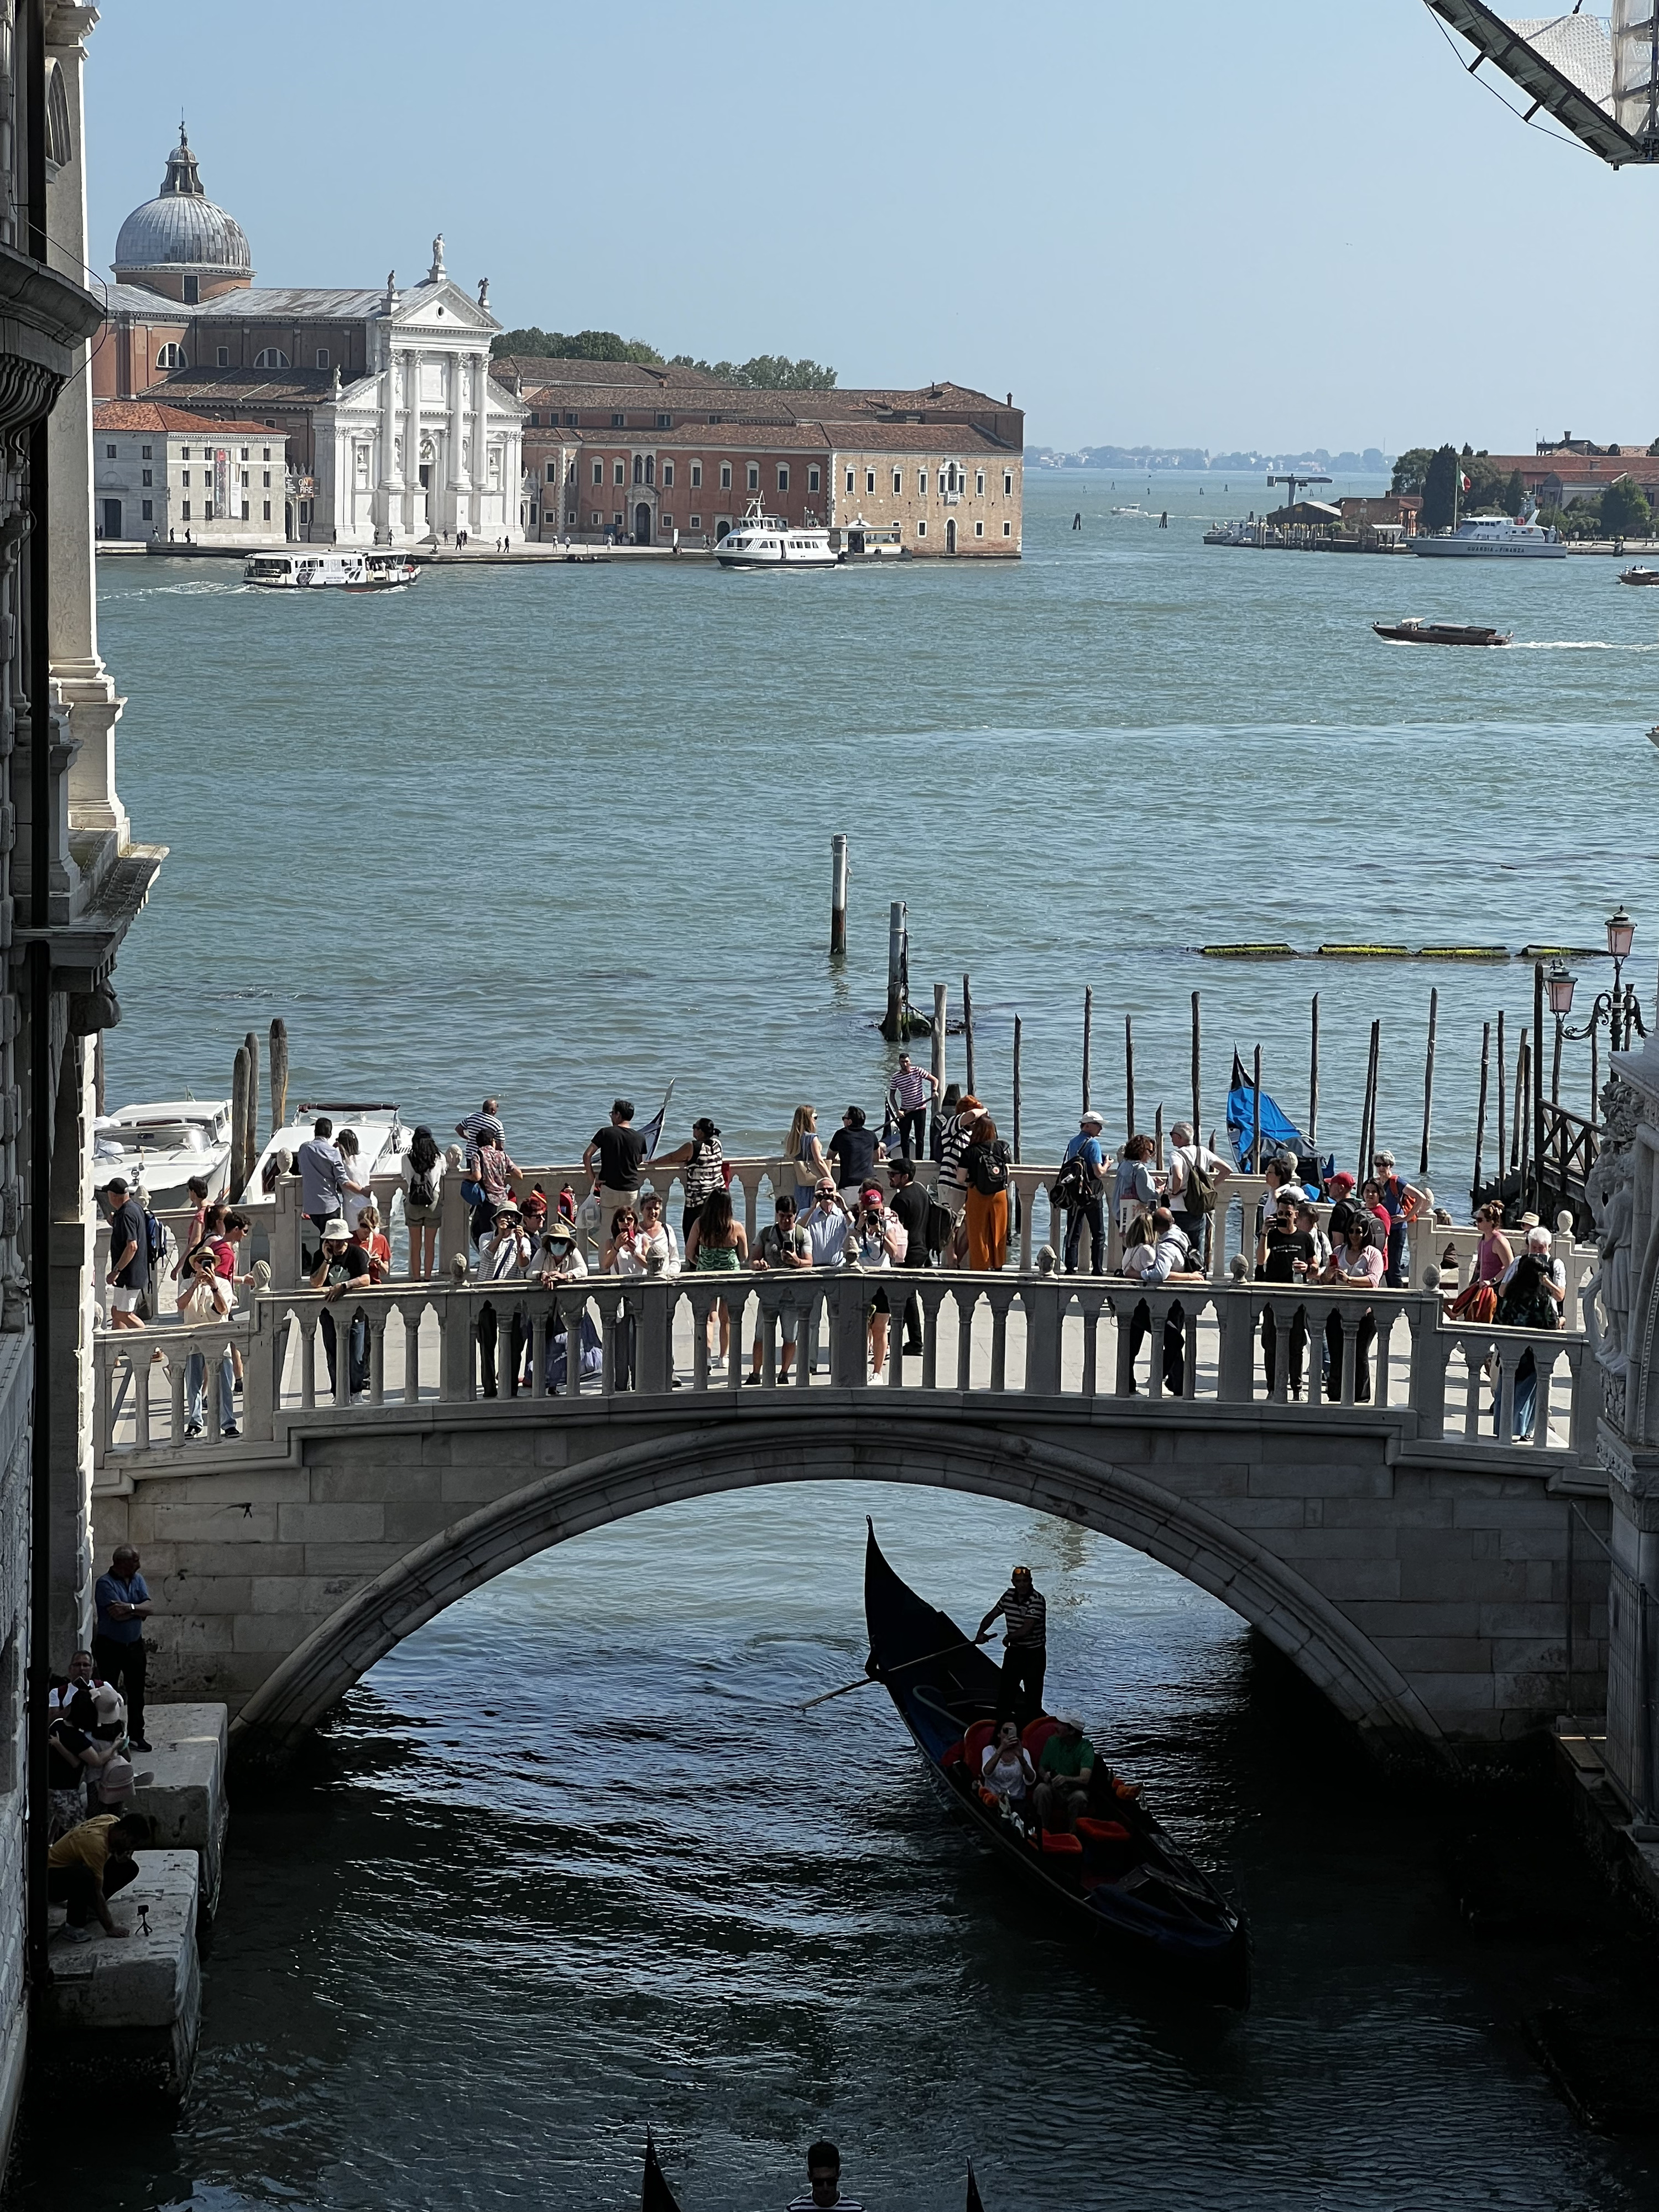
(322, 1176)
(1086, 1147)
(117, 1642)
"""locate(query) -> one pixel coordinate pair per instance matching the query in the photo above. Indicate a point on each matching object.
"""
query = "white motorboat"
(162, 1145)
(348, 571)
(382, 1141)
(872, 541)
(1492, 537)
(766, 541)
(1136, 513)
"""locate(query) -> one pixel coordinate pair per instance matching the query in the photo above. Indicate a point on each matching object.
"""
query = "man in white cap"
(343, 1266)
(1084, 1148)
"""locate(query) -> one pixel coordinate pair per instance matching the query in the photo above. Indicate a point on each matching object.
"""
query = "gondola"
(1122, 1878)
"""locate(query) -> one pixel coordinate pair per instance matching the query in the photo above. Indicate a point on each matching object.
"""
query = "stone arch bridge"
(1443, 1586)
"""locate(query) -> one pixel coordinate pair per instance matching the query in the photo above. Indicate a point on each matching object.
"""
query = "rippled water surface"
(572, 1861)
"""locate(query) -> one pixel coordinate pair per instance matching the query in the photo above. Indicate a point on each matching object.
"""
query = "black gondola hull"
(1182, 1926)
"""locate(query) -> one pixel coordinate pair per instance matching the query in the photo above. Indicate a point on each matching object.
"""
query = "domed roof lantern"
(180, 243)
(183, 177)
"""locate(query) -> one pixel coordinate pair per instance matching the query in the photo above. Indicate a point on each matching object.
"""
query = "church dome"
(182, 228)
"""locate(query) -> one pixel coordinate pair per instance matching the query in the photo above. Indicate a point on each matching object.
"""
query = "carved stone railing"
(1067, 1341)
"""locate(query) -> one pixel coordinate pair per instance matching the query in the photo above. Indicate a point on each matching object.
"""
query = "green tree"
(581, 345)
(1410, 469)
(1515, 495)
(1440, 490)
(1625, 510)
(765, 372)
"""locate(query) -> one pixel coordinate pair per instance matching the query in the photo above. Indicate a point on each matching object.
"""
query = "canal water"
(572, 1861)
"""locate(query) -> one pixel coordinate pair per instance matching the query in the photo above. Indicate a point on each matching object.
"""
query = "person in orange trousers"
(986, 1161)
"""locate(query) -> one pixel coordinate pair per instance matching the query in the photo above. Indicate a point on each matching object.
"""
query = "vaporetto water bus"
(1492, 537)
(332, 571)
(766, 541)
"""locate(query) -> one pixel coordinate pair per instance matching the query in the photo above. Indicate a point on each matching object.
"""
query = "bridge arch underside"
(1119, 1502)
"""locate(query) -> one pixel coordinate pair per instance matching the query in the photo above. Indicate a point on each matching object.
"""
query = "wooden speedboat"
(1414, 631)
(1638, 576)
(1122, 1878)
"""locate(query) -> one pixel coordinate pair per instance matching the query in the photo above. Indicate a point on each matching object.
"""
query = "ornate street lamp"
(1620, 931)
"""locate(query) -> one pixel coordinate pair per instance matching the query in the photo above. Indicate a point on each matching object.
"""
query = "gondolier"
(1024, 1613)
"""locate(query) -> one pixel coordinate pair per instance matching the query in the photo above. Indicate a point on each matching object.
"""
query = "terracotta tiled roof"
(152, 415)
(864, 436)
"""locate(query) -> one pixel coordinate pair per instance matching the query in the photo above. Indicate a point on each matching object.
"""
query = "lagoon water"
(571, 1860)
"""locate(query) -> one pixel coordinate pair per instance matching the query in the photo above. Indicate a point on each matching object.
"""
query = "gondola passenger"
(1065, 1771)
(1006, 1768)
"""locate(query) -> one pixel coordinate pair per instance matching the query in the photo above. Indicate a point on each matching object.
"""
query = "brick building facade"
(637, 452)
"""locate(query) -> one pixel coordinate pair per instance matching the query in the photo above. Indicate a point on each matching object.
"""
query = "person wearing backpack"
(986, 1164)
(422, 1167)
(1530, 1295)
(1195, 1174)
(1078, 1189)
(128, 1255)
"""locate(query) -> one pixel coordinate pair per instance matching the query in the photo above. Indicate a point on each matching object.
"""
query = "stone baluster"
(103, 1399)
(998, 1300)
(377, 1321)
(455, 1341)
(1044, 1308)
(610, 1322)
(260, 1354)
(572, 1309)
(656, 1339)
(1025, 1187)
(1586, 1401)
(176, 1379)
(1509, 1357)
(1430, 1350)
(737, 1307)
(138, 1371)
(410, 1311)
(849, 1357)
(287, 1229)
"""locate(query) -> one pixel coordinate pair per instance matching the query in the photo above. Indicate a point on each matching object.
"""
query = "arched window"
(172, 356)
(59, 148)
(271, 357)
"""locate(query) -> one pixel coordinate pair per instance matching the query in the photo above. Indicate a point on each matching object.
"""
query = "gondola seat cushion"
(1036, 1733)
(973, 1746)
(954, 1755)
(1061, 1844)
(1102, 1832)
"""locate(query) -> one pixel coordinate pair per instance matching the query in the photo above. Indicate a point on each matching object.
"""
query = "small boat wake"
(1581, 645)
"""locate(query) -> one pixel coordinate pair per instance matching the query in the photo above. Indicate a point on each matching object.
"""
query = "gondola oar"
(656, 2196)
(925, 1660)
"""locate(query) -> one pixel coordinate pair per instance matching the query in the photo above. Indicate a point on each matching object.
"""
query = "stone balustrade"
(1038, 1334)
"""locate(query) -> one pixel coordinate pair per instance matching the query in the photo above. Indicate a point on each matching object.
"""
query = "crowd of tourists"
(1142, 1217)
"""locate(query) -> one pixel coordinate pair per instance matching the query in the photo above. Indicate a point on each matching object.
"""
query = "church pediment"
(444, 307)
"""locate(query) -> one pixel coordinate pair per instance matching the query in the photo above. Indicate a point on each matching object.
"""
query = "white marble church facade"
(424, 445)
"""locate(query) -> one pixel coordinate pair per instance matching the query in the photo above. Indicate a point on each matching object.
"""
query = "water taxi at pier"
(330, 571)
(872, 541)
(1492, 538)
(766, 541)
(1413, 630)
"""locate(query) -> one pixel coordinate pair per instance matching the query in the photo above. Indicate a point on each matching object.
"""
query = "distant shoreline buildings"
(1160, 460)
(359, 417)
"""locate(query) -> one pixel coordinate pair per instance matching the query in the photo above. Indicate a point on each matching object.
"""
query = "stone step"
(179, 1785)
(121, 2016)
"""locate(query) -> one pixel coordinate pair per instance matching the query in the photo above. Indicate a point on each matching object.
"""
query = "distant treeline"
(765, 372)
(1130, 458)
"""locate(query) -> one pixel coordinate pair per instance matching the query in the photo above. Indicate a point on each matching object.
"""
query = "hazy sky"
(1289, 224)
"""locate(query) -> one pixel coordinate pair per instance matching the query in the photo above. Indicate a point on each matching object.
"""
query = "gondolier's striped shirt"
(1027, 1619)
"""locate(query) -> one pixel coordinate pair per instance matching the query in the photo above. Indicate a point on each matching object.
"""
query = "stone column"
(79, 678)
(480, 434)
(412, 438)
(392, 482)
(460, 477)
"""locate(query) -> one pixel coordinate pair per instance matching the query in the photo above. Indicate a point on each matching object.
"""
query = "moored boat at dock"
(304, 570)
(1492, 538)
(1413, 630)
(1120, 1876)
(766, 541)
(160, 1146)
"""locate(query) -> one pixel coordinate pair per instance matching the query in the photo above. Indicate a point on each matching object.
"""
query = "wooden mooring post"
(967, 1031)
(896, 1022)
(1129, 1072)
(1480, 1114)
(1368, 1114)
(837, 895)
(236, 1174)
(250, 1136)
(939, 1001)
(279, 1075)
(1313, 1077)
(1018, 1027)
(1088, 1033)
(1538, 1200)
(1428, 1082)
(1501, 1126)
(1255, 1114)
(1197, 1098)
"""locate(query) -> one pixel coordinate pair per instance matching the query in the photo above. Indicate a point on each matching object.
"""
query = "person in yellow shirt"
(85, 1869)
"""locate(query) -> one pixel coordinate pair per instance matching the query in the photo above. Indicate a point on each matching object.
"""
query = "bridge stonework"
(1429, 1589)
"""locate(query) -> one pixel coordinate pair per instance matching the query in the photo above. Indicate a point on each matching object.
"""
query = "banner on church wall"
(221, 480)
